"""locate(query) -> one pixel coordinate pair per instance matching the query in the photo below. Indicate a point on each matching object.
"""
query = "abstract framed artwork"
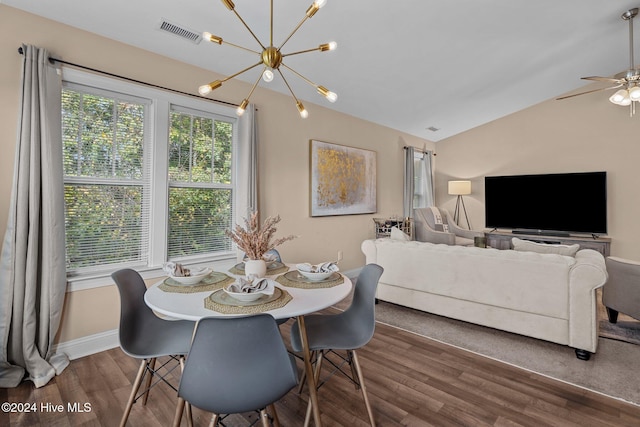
(343, 180)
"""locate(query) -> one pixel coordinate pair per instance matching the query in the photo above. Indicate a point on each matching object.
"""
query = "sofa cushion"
(397, 234)
(544, 248)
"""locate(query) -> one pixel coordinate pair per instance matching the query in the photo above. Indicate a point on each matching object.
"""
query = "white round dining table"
(190, 306)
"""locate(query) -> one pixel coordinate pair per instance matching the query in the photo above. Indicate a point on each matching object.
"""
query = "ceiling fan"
(628, 81)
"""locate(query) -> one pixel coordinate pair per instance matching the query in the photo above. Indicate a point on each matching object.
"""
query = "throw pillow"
(544, 248)
(397, 234)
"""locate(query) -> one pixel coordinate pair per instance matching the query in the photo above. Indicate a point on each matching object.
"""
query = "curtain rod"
(21, 52)
(419, 150)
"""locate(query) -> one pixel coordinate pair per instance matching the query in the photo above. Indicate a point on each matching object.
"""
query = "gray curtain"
(32, 266)
(409, 182)
(248, 164)
(418, 180)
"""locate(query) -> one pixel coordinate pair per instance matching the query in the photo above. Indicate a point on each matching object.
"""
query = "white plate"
(194, 279)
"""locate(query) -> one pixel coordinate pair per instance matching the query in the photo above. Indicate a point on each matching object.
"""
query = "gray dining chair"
(145, 336)
(236, 365)
(347, 331)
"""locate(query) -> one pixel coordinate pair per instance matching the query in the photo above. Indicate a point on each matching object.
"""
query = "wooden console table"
(502, 240)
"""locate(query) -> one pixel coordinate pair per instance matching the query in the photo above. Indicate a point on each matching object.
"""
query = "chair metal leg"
(151, 366)
(363, 388)
(178, 415)
(134, 390)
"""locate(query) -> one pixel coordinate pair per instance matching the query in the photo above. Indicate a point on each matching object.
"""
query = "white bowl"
(315, 277)
(192, 280)
(243, 296)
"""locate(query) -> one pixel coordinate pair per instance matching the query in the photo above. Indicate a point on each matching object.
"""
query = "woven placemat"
(293, 279)
(272, 272)
(213, 281)
(214, 302)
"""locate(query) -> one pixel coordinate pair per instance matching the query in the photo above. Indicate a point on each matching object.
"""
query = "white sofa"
(545, 296)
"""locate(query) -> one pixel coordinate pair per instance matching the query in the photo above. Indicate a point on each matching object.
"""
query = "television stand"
(502, 240)
(542, 233)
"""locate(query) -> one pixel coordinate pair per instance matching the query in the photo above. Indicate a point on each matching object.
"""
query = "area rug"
(626, 329)
(614, 370)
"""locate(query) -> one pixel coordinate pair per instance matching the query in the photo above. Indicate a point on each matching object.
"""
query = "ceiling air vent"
(433, 129)
(180, 31)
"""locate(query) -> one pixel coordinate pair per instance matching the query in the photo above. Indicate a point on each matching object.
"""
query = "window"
(149, 176)
(200, 191)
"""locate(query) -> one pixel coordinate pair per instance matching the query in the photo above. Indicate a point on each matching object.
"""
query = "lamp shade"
(459, 188)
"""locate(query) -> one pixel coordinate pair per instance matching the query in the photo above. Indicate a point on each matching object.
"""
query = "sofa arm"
(432, 236)
(370, 252)
(587, 274)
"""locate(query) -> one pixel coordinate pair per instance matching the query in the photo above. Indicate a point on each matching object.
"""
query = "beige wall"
(284, 151)
(584, 133)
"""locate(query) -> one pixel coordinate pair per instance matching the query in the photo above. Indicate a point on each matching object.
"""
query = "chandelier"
(271, 58)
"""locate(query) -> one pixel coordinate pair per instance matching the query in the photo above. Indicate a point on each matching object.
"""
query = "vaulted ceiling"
(409, 64)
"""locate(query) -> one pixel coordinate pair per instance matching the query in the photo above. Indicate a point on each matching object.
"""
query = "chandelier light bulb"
(332, 97)
(333, 45)
(319, 3)
(267, 75)
(204, 90)
(634, 93)
(242, 107)
(303, 113)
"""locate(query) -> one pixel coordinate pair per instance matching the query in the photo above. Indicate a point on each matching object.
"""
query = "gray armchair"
(435, 225)
(621, 292)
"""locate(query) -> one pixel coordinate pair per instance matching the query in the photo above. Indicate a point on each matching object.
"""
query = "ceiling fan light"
(634, 93)
(619, 96)
(625, 102)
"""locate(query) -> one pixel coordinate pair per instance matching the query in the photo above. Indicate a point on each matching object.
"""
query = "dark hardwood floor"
(412, 381)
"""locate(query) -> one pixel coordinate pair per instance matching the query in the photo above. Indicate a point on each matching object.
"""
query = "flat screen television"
(553, 204)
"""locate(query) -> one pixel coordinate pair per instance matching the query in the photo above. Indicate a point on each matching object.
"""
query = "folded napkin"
(251, 285)
(325, 267)
(175, 269)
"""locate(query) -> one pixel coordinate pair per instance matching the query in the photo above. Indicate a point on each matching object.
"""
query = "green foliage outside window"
(107, 188)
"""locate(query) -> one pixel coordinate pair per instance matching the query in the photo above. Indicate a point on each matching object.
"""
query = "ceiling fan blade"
(589, 91)
(603, 79)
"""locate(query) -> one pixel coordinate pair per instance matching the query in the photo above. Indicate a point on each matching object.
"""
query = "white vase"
(256, 267)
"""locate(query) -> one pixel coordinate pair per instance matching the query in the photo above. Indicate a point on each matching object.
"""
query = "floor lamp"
(460, 188)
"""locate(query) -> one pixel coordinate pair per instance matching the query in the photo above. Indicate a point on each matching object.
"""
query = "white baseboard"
(91, 344)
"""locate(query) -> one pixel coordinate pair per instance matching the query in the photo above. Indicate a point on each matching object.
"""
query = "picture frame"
(343, 180)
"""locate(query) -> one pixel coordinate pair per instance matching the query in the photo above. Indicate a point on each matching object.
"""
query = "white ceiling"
(406, 64)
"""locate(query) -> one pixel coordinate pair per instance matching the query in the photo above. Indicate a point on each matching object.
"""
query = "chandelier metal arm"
(299, 75)
(284, 55)
(253, 88)
(241, 71)
(294, 31)
(248, 28)
(287, 84)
